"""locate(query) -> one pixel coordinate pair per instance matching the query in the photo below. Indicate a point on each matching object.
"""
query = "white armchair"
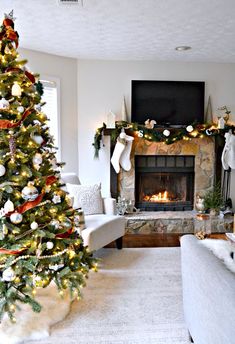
(101, 229)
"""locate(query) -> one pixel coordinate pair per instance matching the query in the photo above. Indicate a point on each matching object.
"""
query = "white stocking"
(228, 155)
(125, 161)
(118, 150)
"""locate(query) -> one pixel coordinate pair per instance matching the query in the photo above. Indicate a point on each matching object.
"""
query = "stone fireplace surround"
(202, 148)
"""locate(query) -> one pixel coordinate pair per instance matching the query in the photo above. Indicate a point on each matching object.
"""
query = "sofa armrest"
(109, 206)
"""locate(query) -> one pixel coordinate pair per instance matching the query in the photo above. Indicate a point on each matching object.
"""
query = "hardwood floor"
(156, 240)
(150, 240)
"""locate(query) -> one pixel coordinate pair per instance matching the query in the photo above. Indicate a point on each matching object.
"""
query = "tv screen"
(171, 103)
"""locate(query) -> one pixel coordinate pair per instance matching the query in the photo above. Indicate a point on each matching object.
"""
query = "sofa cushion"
(86, 197)
(102, 229)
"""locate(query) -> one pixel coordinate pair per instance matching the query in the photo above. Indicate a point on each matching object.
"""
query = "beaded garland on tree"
(39, 238)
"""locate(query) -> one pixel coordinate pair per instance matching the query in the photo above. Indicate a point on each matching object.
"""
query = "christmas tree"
(39, 240)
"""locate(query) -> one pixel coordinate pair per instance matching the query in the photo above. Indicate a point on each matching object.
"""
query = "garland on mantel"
(165, 135)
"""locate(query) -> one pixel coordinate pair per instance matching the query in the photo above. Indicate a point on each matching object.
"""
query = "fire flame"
(160, 197)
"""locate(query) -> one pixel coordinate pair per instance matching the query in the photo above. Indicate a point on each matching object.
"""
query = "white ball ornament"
(2, 170)
(189, 128)
(37, 107)
(37, 139)
(34, 225)
(29, 192)
(8, 275)
(16, 218)
(4, 104)
(55, 223)
(166, 132)
(37, 159)
(20, 109)
(50, 245)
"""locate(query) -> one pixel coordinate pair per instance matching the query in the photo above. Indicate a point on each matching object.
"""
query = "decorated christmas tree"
(39, 236)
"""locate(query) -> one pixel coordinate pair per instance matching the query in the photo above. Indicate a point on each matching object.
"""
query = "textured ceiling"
(128, 29)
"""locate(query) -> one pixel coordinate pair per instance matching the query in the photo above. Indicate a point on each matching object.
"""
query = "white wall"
(102, 84)
(65, 69)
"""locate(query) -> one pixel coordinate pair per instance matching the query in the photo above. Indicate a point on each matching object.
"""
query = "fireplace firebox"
(164, 182)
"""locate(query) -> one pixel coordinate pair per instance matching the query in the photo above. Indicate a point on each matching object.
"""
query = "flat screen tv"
(169, 103)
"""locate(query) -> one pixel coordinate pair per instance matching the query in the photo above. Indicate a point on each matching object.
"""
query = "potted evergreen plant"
(213, 200)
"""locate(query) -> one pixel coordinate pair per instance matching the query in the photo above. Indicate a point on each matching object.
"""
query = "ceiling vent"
(71, 2)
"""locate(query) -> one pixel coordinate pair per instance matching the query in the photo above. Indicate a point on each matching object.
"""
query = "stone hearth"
(203, 149)
(175, 222)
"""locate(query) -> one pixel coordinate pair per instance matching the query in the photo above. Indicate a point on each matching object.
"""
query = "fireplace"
(164, 182)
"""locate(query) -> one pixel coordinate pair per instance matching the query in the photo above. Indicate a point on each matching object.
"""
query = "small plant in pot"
(213, 200)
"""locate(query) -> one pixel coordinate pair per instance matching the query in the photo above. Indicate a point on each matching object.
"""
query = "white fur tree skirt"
(33, 326)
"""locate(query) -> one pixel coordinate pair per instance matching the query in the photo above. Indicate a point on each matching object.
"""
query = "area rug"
(135, 298)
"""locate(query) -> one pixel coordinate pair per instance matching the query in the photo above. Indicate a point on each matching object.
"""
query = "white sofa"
(208, 294)
(101, 229)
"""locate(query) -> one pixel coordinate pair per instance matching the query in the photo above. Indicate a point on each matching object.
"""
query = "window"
(51, 109)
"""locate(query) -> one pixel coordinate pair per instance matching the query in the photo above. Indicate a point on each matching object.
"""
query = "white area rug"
(135, 298)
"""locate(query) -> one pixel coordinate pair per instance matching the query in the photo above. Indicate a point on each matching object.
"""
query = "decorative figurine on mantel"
(111, 118)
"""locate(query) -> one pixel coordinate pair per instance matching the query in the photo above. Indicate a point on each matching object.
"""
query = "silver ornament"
(56, 199)
(209, 132)
(2, 170)
(4, 104)
(8, 275)
(55, 223)
(37, 139)
(37, 159)
(16, 218)
(37, 107)
(29, 192)
(56, 267)
(20, 109)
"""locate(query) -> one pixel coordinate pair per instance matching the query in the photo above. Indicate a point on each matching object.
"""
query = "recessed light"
(183, 48)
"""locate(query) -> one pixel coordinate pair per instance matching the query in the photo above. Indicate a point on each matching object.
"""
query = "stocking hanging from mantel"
(122, 151)
(228, 155)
